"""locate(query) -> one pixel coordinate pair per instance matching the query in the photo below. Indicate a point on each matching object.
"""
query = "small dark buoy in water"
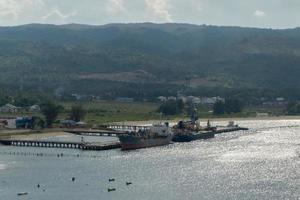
(111, 179)
(111, 189)
(22, 193)
(73, 179)
(128, 183)
(38, 185)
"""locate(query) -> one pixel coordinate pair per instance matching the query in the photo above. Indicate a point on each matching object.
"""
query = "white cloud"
(160, 9)
(114, 6)
(197, 4)
(57, 13)
(259, 13)
(14, 8)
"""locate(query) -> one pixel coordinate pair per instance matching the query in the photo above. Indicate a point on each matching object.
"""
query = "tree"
(219, 108)
(50, 110)
(171, 107)
(77, 113)
(233, 106)
(293, 108)
(230, 106)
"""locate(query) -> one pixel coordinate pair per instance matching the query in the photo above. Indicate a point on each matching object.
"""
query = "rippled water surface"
(262, 163)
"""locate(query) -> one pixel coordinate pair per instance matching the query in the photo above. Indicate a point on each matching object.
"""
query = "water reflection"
(262, 163)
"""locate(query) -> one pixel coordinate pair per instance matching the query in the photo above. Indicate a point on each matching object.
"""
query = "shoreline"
(213, 119)
(30, 134)
(44, 134)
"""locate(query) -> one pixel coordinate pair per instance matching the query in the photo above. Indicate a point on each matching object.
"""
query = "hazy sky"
(254, 13)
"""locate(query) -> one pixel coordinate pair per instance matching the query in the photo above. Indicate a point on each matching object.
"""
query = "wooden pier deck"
(92, 146)
(225, 129)
(84, 132)
(112, 131)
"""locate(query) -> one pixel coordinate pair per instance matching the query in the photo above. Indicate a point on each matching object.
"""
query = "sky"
(246, 13)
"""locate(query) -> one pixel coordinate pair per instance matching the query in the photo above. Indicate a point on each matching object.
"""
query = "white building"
(162, 98)
(211, 100)
(172, 98)
(34, 108)
(9, 108)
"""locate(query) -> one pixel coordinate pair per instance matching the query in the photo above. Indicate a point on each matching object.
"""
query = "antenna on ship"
(194, 114)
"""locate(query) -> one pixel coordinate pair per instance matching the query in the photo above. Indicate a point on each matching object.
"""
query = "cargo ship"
(156, 135)
(187, 131)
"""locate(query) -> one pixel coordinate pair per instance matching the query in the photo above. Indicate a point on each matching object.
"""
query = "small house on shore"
(34, 108)
(9, 108)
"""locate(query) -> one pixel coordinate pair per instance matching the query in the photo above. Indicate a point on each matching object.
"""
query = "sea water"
(262, 163)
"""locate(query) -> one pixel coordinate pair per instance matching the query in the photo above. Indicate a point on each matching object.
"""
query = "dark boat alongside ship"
(190, 131)
(156, 135)
(187, 131)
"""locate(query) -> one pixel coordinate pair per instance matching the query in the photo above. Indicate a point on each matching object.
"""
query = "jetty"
(91, 146)
(86, 132)
(111, 131)
(226, 129)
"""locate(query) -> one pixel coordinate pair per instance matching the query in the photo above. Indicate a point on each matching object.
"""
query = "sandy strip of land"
(31, 135)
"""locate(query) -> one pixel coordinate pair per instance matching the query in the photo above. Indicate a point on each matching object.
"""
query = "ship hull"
(193, 136)
(131, 142)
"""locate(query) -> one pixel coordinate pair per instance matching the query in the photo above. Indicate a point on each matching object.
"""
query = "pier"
(107, 133)
(225, 129)
(91, 146)
(112, 131)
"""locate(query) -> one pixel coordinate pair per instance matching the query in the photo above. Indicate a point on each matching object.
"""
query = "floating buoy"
(111, 179)
(22, 193)
(111, 189)
(73, 179)
(38, 185)
(128, 183)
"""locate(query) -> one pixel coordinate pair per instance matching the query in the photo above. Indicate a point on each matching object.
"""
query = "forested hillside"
(142, 60)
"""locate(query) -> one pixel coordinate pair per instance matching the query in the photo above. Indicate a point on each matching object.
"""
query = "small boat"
(191, 136)
(111, 189)
(22, 193)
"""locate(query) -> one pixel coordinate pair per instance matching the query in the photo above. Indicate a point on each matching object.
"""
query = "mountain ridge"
(58, 56)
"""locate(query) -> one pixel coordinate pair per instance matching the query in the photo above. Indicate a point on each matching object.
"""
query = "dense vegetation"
(50, 110)
(171, 107)
(230, 106)
(77, 113)
(149, 60)
(293, 108)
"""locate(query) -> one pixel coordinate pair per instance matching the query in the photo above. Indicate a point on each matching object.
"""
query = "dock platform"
(91, 146)
(225, 129)
(86, 132)
(112, 131)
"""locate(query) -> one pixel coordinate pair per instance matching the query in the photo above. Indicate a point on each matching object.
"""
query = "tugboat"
(187, 131)
(156, 135)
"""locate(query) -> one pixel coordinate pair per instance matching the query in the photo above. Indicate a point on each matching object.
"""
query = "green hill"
(147, 59)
